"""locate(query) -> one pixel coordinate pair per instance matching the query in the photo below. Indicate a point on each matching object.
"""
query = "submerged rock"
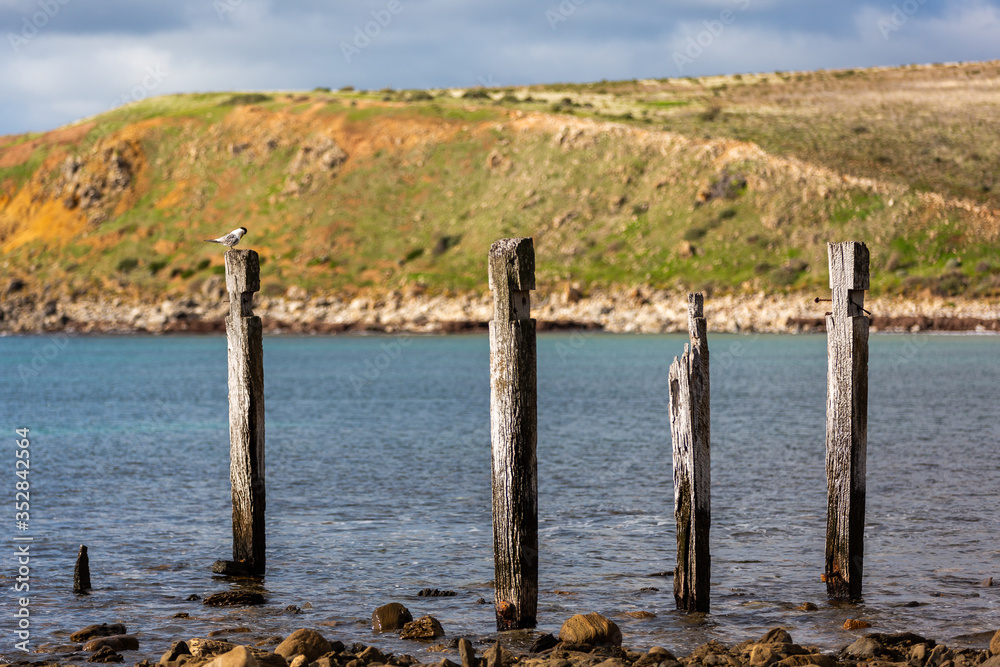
(234, 599)
(114, 642)
(102, 630)
(436, 593)
(232, 568)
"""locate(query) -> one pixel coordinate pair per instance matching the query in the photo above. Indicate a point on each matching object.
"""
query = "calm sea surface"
(378, 485)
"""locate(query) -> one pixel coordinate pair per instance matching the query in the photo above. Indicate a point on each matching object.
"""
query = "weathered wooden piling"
(690, 432)
(513, 433)
(246, 409)
(846, 419)
(81, 573)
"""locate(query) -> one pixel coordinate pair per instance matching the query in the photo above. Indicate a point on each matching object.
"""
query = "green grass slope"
(723, 184)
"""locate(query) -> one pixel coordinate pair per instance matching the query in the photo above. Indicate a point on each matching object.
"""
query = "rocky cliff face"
(637, 310)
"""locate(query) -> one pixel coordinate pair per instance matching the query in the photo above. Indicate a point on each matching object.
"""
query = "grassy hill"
(726, 184)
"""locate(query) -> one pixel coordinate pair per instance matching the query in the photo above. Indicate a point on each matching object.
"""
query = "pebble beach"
(584, 640)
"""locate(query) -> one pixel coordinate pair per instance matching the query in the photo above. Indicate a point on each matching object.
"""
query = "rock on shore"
(309, 648)
(636, 310)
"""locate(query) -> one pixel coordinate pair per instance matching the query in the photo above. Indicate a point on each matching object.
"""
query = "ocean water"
(378, 485)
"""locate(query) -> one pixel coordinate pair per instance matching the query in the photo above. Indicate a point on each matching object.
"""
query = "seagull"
(230, 239)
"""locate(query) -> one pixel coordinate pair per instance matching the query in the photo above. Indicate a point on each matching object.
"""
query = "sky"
(63, 60)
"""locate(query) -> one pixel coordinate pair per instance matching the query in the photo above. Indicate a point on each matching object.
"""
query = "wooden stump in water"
(846, 419)
(690, 433)
(81, 573)
(513, 433)
(246, 409)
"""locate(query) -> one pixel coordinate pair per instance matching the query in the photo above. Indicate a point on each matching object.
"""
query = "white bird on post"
(230, 239)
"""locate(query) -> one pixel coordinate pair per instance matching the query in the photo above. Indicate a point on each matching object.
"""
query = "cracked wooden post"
(690, 400)
(846, 419)
(246, 411)
(513, 433)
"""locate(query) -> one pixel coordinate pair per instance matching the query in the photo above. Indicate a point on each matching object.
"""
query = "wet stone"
(590, 629)
(468, 654)
(900, 639)
(305, 642)
(176, 650)
(436, 593)
(102, 630)
(806, 659)
(241, 656)
(498, 656)
(864, 648)
(544, 643)
(372, 655)
(228, 631)
(235, 599)
(390, 617)
(425, 627)
(199, 647)
(106, 654)
(764, 655)
(776, 636)
(443, 647)
(115, 643)
(60, 648)
(231, 568)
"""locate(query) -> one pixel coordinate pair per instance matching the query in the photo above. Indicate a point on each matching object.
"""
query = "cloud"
(81, 57)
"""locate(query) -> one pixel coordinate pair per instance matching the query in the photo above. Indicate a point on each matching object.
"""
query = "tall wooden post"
(246, 409)
(513, 433)
(846, 420)
(690, 432)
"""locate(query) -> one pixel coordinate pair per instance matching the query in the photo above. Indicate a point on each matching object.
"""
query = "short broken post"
(246, 411)
(690, 432)
(846, 420)
(81, 573)
(513, 433)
